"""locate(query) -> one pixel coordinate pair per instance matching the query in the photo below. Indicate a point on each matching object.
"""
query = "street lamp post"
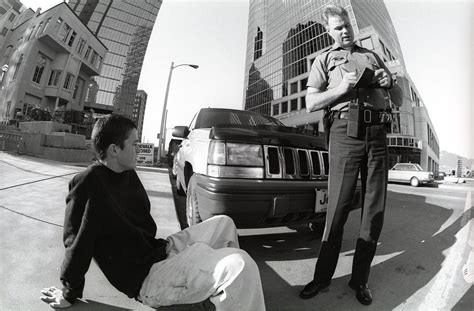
(161, 145)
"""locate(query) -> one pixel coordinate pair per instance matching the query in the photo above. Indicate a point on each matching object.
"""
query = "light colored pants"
(204, 261)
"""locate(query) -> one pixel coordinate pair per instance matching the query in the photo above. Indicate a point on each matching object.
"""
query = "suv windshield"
(216, 117)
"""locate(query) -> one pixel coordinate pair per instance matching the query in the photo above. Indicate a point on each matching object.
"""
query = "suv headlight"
(235, 160)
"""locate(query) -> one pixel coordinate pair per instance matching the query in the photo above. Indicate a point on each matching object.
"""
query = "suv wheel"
(192, 210)
(414, 182)
(179, 188)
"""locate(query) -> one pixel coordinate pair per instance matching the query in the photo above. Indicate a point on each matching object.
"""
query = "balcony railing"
(404, 142)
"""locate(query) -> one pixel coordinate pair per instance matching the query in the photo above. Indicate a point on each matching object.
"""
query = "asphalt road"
(418, 265)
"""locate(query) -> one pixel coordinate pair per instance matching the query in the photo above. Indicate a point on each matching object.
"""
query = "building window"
(284, 107)
(275, 109)
(382, 46)
(258, 45)
(303, 81)
(8, 51)
(39, 69)
(54, 77)
(88, 52)
(367, 43)
(17, 68)
(78, 88)
(303, 102)
(294, 104)
(71, 39)
(80, 46)
(284, 89)
(46, 24)
(4, 31)
(11, 17)
(68, 80)
(294, 87)
(38, 29)
(31, 33)
(64, 32)
(390, 56)
(7, 111)
(94, 58)
(99, 63)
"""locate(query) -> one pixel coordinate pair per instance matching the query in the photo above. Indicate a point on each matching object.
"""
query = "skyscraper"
(125, 28)
(285, 36)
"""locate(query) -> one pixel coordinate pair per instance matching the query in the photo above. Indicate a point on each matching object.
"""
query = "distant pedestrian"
(351, 84)
(108, 219)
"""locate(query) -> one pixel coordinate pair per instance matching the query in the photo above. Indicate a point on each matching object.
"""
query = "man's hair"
(333, 10)
(110, 129)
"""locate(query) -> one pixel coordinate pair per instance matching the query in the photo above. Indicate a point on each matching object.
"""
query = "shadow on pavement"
(159, 194)
(91, 305)
(466, 302)
(435, 184)
(409, 255)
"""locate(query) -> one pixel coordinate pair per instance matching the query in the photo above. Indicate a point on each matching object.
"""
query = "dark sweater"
(108, 218)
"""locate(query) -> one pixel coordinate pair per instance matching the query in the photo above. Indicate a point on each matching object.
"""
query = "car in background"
(454, 179)
(410, 173)
(439, 175)
(252, 168)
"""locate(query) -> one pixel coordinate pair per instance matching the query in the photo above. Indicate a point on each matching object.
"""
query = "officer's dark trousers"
(347, 157)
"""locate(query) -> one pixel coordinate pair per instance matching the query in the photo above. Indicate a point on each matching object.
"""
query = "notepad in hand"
(365, 79)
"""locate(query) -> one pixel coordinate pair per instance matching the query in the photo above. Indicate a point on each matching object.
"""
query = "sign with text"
(145, 155)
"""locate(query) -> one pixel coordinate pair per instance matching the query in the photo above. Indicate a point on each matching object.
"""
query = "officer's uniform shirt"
(329, 67)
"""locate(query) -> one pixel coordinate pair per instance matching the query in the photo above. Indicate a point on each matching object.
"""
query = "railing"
(404, 141)
(10, 141)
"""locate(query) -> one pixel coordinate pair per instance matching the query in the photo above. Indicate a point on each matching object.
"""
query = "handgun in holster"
(328, 118)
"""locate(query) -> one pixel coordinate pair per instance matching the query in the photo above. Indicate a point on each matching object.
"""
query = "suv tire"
(192, 210)
(179, 188)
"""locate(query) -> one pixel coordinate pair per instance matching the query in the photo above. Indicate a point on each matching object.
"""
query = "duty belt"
(368, 116)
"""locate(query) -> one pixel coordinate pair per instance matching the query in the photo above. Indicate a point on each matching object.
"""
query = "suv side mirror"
(180, 131)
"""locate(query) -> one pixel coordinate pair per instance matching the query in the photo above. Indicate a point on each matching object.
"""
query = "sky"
(435, 35)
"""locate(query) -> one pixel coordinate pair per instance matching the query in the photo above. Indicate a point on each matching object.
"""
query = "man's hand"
(381, 78)
(349, 79)
(55, 298)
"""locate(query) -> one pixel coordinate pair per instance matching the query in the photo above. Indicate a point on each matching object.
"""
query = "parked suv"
(252, 168)
(411, 173)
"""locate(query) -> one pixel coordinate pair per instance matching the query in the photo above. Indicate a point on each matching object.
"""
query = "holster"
(328, 118)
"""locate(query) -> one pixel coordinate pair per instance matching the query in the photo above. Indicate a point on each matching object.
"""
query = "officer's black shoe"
(312, 289)
(363, 293)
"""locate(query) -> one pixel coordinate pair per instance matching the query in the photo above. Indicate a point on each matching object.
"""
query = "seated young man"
(108, 218)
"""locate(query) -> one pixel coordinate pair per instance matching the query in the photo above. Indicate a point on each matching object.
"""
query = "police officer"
(357, 144)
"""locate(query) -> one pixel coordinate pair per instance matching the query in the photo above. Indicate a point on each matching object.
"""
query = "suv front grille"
(295, 163)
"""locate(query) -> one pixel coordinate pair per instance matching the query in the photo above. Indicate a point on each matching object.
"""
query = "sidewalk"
(32, 194)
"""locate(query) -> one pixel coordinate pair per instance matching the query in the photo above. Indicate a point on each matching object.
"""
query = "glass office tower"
(285, 36)
(125, 28)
